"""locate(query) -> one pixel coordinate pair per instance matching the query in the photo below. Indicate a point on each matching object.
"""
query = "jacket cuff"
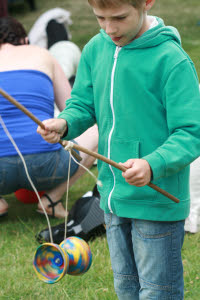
(69, 133)
(157, 164)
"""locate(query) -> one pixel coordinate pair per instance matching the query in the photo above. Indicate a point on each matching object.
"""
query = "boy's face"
(123, 23)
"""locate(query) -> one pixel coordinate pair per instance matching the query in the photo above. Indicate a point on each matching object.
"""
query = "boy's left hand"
(138, 172)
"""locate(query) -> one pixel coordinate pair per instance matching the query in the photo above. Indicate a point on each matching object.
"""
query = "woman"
(35, 79)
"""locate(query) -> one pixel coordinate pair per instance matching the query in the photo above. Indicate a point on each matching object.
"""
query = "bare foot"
(3, 207)
(59, 210)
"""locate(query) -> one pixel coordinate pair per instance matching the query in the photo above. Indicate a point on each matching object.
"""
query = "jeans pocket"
(112, 220)
(49, 166)
(153, 229)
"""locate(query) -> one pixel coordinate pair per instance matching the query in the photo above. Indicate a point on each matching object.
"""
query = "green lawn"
(17, 231)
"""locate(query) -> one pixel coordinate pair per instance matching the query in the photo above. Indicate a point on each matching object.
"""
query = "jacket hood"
(152, 37)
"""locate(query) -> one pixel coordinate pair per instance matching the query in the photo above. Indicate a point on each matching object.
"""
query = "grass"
(17, 247)
(17, 231)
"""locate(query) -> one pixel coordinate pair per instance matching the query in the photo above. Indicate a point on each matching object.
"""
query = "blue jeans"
(47, 170)
(146, 258)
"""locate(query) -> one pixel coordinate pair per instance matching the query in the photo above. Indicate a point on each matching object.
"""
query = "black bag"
(85, 220)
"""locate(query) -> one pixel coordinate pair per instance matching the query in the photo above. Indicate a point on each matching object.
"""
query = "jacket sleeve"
(79, 112)
(181, 98)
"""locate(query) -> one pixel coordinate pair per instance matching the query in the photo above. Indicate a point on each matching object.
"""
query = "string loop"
(69, 146)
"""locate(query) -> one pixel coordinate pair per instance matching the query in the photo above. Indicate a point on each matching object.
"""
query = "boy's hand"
(138, 172)
(54, 130)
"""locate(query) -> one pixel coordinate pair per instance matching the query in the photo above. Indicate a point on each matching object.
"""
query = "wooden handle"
(122, 168)
(32, 117)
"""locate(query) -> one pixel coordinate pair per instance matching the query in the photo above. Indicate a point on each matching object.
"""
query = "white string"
(68, 147)
(27, 173)
(98, 182)
(67, 193)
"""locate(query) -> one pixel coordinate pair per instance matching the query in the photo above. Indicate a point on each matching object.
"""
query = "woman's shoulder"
(34, 49)
(25, 52)
(29, 57)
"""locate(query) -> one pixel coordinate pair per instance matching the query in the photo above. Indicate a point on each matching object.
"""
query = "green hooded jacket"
(145, 99)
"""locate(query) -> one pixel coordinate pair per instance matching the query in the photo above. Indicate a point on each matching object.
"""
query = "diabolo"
(51, 261)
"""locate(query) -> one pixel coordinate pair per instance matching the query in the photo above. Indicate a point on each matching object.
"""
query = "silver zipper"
(113, 126)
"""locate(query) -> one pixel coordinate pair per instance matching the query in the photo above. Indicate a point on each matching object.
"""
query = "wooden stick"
(122, 168)
(82, 149)
(30, 115)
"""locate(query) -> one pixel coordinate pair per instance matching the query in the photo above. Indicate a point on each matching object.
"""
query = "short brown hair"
(115, 3)
(11, 31)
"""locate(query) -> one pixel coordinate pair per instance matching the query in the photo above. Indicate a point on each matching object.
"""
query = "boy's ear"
(149, 4)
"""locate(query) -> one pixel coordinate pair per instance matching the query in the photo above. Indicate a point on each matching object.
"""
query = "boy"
(141, 88)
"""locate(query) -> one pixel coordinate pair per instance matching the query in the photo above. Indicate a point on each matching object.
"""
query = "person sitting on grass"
(135, 80)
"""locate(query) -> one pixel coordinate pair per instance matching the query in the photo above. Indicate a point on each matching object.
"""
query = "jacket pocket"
(122, 151)
(176, 185)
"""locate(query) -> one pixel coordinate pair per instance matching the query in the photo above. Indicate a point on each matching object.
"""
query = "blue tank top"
(34, 90)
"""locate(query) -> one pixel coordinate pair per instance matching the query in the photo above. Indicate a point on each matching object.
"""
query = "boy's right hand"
(54, 130)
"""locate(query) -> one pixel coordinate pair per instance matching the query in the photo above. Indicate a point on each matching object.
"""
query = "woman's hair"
(115, 3)
(11, 31)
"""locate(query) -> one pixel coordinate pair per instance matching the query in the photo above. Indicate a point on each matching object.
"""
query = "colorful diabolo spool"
(80, 256)
(51, 261)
